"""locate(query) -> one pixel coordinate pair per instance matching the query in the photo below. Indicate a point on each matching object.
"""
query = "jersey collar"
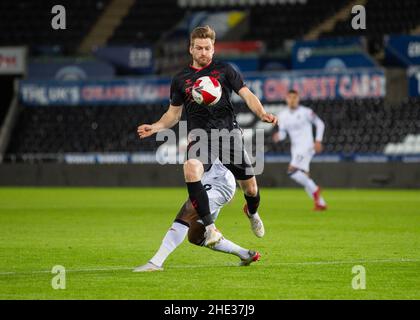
(199, 69)
(295, 109)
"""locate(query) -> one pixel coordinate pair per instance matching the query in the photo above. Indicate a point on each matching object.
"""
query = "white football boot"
(257, 225)
(148, 267)
(212, 236)
(253, 256)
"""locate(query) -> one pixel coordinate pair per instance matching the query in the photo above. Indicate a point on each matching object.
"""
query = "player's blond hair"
(203, 33)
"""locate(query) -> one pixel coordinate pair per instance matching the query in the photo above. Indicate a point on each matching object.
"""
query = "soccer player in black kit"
(217, 117)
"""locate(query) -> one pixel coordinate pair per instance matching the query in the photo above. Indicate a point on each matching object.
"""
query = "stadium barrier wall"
(330, 175)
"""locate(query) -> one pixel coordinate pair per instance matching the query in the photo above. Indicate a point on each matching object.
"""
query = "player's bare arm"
(255, 105)
(318, 146)
(320, 127)
(279, 134)
(168, 120)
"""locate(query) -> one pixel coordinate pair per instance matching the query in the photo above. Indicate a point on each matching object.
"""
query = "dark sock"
(200, 201)
(253, 202)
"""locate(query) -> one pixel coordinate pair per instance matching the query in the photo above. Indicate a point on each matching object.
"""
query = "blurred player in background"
(297, 121)
(220, 186)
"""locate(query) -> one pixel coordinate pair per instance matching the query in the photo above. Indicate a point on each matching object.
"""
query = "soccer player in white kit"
(297, 122)
(220, 185)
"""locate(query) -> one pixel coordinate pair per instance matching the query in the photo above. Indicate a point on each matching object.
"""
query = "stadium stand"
(281, 21)
(353, 126)
(83, 129)
(29, 22)
(288, 21)
(384, 17)
(146, 22)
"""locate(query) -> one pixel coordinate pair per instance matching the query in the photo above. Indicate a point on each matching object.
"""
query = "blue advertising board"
(132, 59)
(69, 69)
(269, 87)
(402, 50)
(330, 54)
(106, 92)
(414, 81)
(318, 85)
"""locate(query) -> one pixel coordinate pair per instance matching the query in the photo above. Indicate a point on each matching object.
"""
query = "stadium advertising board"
(270, 87)
(12, 60)
(131, 59)
(414, 81)
(402, 50)
(119, 92)
(153, 157)
(330, 54)
(319, 85)
(69, 69)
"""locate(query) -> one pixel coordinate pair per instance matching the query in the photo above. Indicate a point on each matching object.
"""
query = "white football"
(207, 90)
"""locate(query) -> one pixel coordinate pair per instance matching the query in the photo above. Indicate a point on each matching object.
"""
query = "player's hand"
(270, 118)
(145, 130)
(318, 147)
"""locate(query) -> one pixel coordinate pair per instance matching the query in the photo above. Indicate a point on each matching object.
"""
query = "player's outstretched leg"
(246, 256)
(313, 191)
(196, 236)
(252, 197)
(193, 172)
(320, 203)
(173, 238)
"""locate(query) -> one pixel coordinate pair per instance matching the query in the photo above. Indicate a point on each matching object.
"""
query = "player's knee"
(291, 171)
(193, 170)
(252, 190)
(196, 238)
(196, 233)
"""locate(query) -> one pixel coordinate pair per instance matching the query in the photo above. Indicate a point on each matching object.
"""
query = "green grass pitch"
(99, 234)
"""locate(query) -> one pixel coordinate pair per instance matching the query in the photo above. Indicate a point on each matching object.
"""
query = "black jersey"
(218, 116)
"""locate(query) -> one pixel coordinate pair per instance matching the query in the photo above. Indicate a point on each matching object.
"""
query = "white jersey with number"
(297, 123)
(220, 185)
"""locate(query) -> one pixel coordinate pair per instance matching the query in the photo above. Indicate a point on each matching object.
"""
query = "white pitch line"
(348, 262)
(303, 263)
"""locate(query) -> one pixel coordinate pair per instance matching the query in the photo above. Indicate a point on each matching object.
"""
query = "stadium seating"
(147, 21)
(364, 126)
(83, 129)
(274, 24)
(292, 21)
(27, 22)
(353, 126)
(382, 17)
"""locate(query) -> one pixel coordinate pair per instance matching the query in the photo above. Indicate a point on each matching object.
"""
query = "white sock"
(210, 226)
(305, 181)
(173, 238)
(228, 246)
(254, 216)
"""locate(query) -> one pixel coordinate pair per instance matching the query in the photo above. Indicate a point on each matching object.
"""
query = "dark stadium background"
(84, 133)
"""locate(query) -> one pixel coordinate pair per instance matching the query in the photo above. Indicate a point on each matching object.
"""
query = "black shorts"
(230, 150)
